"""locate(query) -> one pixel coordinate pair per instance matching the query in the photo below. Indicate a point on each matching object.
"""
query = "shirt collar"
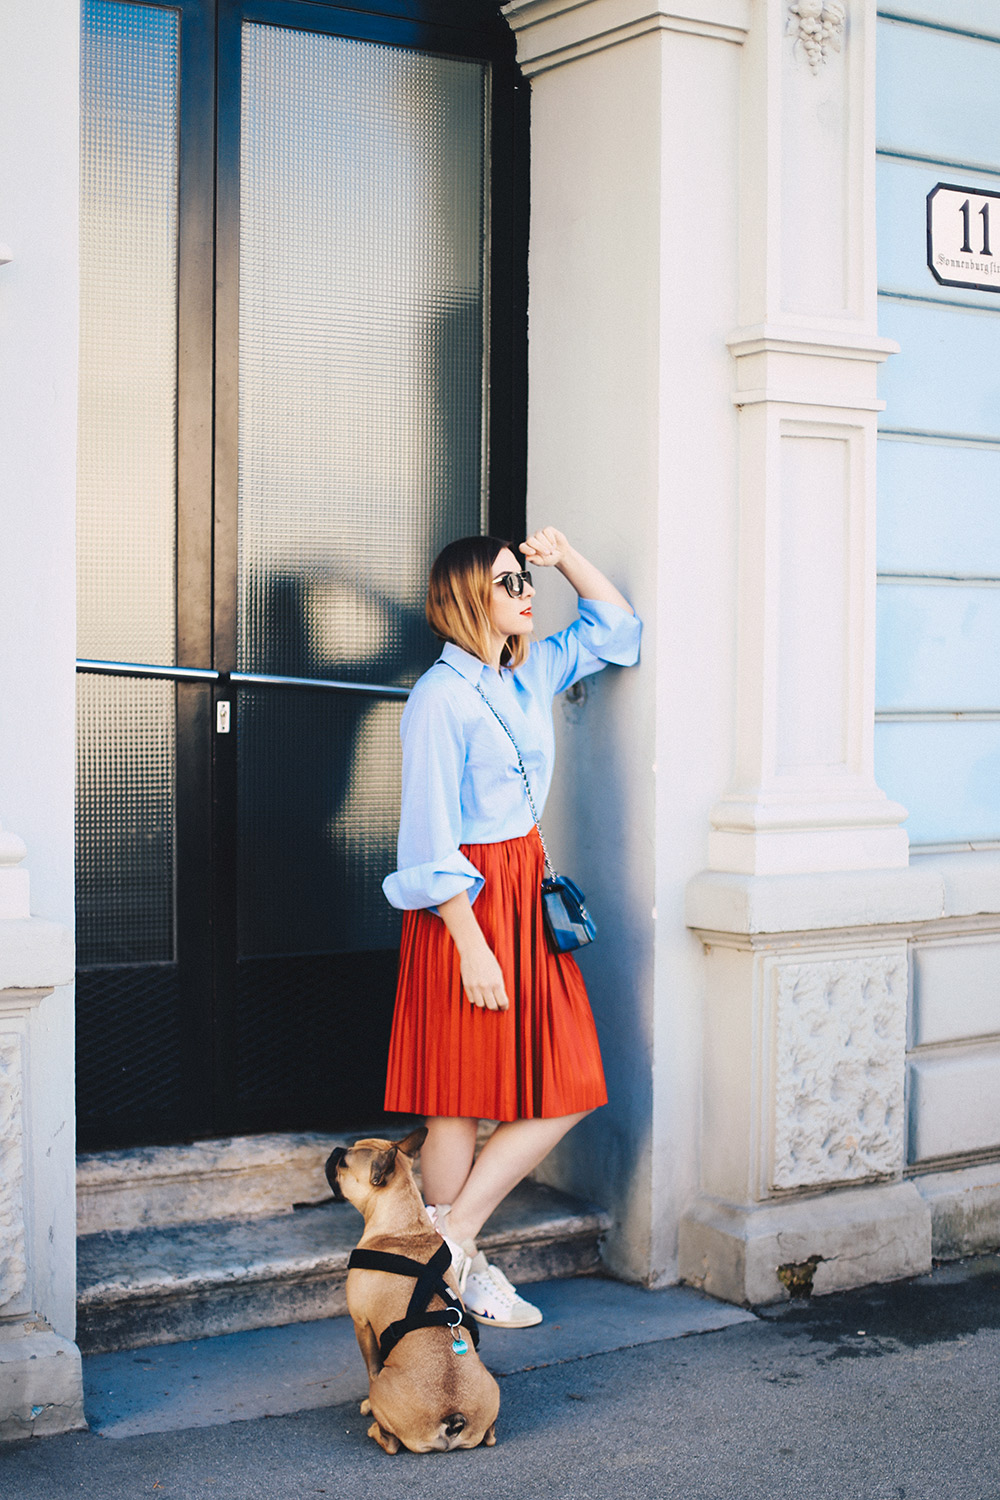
(464, 663)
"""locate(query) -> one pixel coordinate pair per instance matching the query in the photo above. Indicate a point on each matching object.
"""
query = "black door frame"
(207, 458)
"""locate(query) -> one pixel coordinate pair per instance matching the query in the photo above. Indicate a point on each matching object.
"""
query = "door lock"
(222, 716)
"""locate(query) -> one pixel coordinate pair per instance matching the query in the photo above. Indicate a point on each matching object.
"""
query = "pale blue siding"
(947, 379)
(940, 647)
(938, 509)
(937, 93)
(947, 773)
(938, 665)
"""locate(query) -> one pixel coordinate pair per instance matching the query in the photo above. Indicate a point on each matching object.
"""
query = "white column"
(803, 795)
(633, 452)
(41, 1388)
(806, 963)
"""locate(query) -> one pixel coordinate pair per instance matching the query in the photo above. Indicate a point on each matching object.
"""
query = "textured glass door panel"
(130, 1052)
(128, 333)
(312, 1040)
(362, 231)
(319, 807)
(125, 820)
(947, 774)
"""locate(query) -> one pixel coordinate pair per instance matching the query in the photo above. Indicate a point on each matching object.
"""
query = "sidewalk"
(892, 1393)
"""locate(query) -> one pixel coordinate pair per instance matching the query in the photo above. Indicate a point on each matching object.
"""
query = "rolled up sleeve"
(602, 635)
(431, 867)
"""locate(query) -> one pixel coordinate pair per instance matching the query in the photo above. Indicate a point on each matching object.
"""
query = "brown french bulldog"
(426, 1395)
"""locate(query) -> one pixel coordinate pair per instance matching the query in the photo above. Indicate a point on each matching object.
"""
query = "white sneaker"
(437, 1213)
(490, 1298)
(461, 1260)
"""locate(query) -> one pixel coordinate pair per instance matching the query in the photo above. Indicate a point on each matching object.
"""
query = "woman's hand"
(546, 548)
(482, 978)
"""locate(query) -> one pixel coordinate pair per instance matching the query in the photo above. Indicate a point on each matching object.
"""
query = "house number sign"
(963, 237)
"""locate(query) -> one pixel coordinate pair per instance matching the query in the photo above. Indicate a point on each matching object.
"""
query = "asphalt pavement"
(889, 1393)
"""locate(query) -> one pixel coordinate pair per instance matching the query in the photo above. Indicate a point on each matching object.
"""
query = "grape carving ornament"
(818, 29)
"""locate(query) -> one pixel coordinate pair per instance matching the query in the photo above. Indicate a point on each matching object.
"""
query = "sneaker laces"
(500, 1281)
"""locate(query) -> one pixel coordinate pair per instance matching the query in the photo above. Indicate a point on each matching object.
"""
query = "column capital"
(808, 339)
(553, 32)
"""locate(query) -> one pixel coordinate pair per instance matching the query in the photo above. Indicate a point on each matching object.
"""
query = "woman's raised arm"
(548, 548)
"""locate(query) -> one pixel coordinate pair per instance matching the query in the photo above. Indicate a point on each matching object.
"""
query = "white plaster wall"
(39, 66)
(632, 450)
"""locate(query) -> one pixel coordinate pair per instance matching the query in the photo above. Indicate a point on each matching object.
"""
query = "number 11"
(984, 214)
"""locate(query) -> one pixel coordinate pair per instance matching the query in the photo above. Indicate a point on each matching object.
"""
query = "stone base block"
(41, 1385)
(965, 1210)
(801, 1246)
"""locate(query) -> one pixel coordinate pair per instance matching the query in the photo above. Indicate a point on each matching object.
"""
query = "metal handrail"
(148, 669)
(268, 679)
(239, 679)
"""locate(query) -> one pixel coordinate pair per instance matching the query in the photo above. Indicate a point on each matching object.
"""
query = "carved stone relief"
(13, 1266)
(839, 1069)
(818, 29)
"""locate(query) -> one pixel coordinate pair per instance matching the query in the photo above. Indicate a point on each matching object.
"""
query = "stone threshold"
(236, 1177)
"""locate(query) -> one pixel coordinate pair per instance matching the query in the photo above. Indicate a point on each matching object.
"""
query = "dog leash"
(430, 1279)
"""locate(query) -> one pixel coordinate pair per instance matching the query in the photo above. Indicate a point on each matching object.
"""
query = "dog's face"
(357, 1171)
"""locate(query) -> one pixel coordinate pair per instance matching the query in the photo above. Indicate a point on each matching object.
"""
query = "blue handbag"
(567, 921)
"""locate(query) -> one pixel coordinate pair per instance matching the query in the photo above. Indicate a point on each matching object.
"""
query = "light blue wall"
(938, 503)
(937, 92)
(938, 666)
(939, 646)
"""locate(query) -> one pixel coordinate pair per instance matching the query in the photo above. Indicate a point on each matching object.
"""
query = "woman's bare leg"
(512, 1151)
(446, 1157)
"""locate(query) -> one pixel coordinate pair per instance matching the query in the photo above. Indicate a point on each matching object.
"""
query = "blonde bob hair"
(460, 596)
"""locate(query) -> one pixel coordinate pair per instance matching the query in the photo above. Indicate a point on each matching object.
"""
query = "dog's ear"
(383, 1166)
(412, 1143)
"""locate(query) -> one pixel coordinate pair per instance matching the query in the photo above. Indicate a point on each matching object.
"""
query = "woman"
(490, 1023)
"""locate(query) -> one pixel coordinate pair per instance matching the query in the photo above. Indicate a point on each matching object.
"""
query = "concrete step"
(164, 1283)
(237, 1177)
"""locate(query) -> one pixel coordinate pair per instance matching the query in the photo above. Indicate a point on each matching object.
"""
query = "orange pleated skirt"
(538, 1059)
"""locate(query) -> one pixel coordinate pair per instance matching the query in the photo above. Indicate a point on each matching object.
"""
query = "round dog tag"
(459, 1346)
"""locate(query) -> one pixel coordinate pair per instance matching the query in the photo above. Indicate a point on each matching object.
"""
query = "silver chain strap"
(527, 784)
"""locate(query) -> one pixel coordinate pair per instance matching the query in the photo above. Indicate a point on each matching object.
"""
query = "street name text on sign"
(963, 237)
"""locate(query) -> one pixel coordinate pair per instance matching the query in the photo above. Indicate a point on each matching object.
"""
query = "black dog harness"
(430, 1279)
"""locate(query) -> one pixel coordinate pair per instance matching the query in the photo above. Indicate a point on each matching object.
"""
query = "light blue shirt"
(461, 783)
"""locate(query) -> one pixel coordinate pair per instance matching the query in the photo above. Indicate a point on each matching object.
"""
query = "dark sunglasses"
(514, 583)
